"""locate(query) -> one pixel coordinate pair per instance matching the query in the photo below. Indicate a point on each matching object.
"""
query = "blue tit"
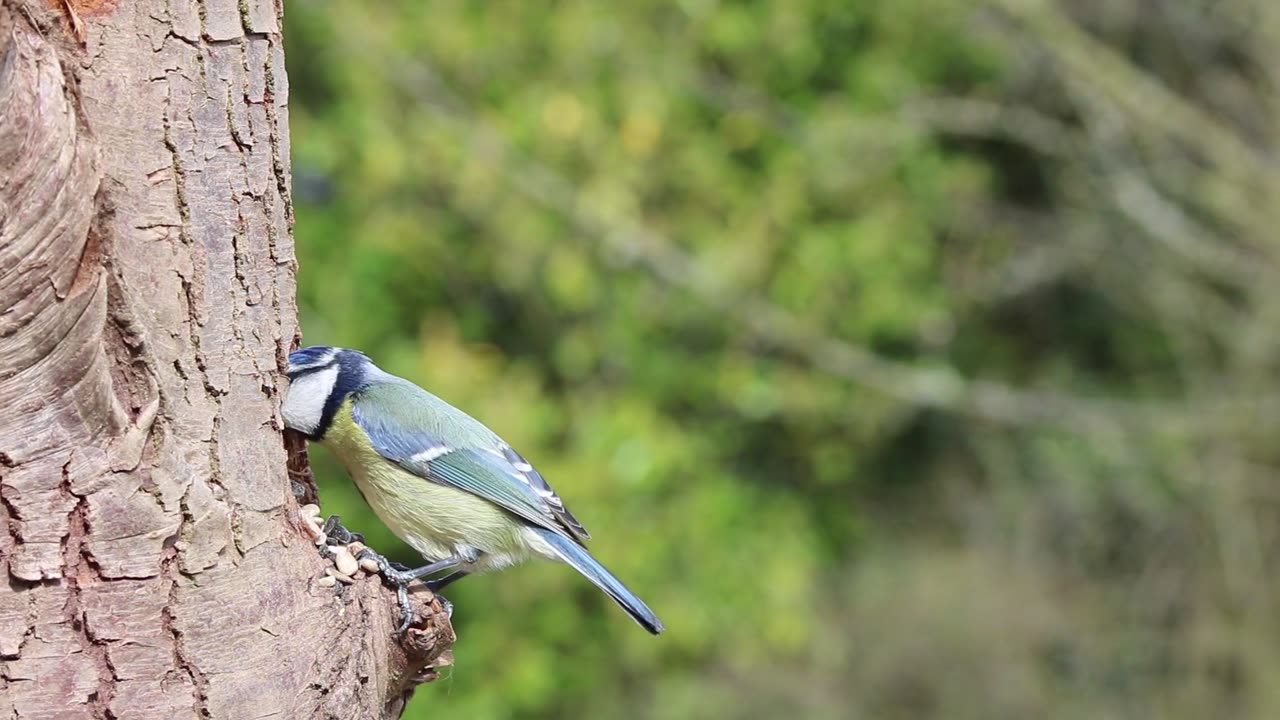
(442, 481)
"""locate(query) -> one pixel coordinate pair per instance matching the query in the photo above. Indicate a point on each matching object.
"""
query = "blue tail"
(578, 557)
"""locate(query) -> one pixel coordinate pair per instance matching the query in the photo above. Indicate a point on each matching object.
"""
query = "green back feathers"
(430, 438)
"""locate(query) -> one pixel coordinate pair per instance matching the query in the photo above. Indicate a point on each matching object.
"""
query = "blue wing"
(491, 470)
(531, 477)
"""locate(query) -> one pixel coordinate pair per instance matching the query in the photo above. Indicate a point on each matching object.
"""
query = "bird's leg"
(397, 576)
(439, 583)
(400, 579)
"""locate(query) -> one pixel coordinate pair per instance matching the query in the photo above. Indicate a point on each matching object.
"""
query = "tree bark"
(155, 561)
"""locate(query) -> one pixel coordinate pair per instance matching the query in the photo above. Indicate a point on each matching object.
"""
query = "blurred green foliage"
(729, 272)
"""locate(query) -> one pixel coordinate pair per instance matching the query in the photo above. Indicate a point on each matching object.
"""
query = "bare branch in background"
(986, 119)
(628, 242)
(1241, 177)
(1144, 98)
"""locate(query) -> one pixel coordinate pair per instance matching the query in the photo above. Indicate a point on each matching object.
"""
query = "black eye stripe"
(310, 370)
(350, 379)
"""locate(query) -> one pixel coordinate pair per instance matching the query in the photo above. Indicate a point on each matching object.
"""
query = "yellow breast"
(435, 520)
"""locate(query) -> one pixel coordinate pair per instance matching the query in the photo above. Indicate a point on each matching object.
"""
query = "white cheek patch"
(304, 400)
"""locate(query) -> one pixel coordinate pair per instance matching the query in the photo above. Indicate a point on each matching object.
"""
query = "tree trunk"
(155, 559)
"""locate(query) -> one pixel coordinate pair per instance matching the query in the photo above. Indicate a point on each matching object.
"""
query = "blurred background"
(911, 359)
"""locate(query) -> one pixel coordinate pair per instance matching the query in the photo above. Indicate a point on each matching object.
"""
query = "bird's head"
(320, 378)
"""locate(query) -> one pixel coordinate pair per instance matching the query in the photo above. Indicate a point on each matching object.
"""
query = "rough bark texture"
(153, 560)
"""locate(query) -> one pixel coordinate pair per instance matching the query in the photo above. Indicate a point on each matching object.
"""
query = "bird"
(441, 480)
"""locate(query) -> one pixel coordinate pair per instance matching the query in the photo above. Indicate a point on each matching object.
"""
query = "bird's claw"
(337, 534)
(392, 572)
(400, 576)
(407, 616)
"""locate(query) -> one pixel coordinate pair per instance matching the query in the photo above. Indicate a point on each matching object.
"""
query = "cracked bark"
(153, 560)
